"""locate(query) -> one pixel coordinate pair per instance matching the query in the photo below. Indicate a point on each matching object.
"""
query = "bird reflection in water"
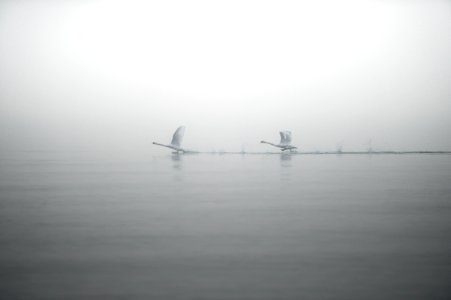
(285, 164)
(177, 166)
(285, 159)
(177, 160)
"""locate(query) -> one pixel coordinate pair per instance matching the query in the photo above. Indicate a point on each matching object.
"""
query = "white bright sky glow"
(121, 74)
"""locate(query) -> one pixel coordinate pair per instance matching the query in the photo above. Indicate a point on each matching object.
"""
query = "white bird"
(285, 141)
(176, 142)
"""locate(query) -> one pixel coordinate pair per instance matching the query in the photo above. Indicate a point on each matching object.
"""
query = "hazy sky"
(117, 75)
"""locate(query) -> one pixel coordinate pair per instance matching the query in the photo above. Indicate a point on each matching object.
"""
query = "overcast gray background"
(116, 75)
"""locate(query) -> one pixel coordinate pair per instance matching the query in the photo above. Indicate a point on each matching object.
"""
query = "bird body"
(285, 141)
(177, 139)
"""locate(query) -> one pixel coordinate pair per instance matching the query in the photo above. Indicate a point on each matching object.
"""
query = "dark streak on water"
(226, 227)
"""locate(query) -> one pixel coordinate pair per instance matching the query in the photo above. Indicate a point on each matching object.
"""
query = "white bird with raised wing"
(176, 143)
(285, 141)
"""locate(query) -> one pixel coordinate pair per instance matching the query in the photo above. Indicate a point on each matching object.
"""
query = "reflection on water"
(227, 227)
(177, 165)
(177, 160)
(285, 164)
(285, 157)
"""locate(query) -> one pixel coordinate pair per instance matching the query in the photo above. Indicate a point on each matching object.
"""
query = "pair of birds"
(176, 143)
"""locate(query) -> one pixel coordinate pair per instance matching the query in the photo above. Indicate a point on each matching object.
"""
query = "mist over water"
(225, 227)
(117, 75)
(91, 209)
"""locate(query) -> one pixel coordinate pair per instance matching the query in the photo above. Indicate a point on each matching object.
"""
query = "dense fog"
(113, 76)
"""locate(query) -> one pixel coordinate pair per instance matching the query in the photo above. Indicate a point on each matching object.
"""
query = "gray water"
(226, 227)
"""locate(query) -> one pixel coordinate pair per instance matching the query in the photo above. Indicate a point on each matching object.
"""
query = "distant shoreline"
(323, 152)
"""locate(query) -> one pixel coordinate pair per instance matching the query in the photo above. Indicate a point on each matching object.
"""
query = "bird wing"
(178, 136)
(285, 137)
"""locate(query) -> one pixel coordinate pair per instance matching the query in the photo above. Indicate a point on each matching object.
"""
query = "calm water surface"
(226, 227)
